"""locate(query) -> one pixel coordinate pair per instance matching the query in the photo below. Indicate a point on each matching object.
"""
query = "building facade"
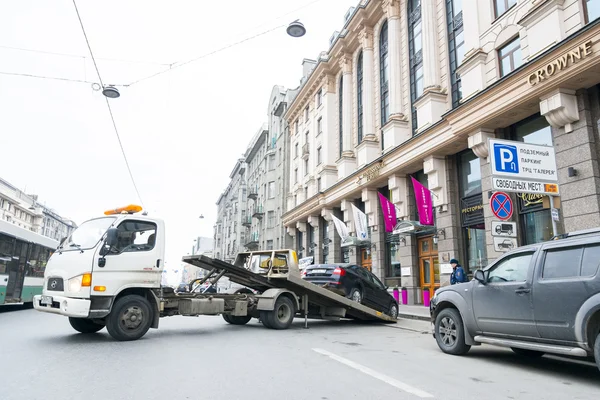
(231, 210)
(27, 212)
(261, 182)
(414, 89)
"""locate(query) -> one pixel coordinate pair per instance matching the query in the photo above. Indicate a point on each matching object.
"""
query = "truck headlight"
(76, 283)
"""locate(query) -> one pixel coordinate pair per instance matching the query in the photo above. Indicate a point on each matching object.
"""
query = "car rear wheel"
(527, 353)
(597, 350)
(393, 310)
(450, 333)
(356, 295)
(85, 325)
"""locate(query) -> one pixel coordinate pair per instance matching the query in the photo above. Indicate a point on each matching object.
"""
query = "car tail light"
(303, 273)
(339, 271)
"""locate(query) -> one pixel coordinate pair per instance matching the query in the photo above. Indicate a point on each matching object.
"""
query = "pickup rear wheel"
(130, 318)
(597, 350)
(85, 325)
(450, 332)
(527, 353)
(282, 315)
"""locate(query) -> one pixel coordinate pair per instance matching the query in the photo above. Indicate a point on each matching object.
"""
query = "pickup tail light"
(339, 271)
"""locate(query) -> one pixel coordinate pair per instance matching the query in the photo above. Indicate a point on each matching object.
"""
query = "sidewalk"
(418, 312)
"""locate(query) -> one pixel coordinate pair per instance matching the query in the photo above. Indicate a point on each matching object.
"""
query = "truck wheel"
(239, 319)
(597, 350)
(130, 318)
(527, 353)
(282, 315)
(226, 318)
(450, 333)
(85, 325)
(264, 318)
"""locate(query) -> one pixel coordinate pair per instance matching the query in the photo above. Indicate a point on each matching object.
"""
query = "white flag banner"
(360, 223)
(340, 227)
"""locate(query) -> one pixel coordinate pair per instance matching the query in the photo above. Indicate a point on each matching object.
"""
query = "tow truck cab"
(104, 259)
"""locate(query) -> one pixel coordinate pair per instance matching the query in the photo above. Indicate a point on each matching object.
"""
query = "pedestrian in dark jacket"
(458, 273)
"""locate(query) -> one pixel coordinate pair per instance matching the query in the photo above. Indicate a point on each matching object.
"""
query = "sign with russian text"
(523, 161)
(521, 186)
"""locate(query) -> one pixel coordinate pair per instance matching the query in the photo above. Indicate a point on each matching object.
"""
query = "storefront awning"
(411, 227)
(354, 241)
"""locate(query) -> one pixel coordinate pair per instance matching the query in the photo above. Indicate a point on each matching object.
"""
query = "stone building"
(415, 89)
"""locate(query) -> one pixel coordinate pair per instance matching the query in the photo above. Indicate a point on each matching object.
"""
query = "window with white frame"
(271, 190)
(319, 156)
(502, 6)
(510, 57)
(319, 97)
(320, 125)
(271, 162)
(296, 175)
(306, 115)
(306, 167)
(271, 219)
(592, 10)
(296, 150)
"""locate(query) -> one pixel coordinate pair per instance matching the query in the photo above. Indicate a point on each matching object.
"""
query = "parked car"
(354, 282)
(536, 299)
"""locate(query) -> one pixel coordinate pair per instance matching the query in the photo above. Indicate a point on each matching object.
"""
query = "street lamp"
(111, 92)
(296, 29)
(201, 216)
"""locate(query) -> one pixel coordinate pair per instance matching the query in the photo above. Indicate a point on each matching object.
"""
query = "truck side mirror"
(112, 236)
(480, 276)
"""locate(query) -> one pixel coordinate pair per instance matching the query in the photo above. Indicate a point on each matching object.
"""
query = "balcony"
(252, 243)
(305, 151)
(253, 193)
(258, 212)
(247, 221)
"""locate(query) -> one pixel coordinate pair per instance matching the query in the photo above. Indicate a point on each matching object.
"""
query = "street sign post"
(524, 168)
(502, 205)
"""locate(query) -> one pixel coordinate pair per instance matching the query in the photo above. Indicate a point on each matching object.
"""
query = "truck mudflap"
(291, 282)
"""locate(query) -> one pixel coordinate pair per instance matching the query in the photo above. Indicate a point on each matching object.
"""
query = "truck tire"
(450, 332)
(597, 350)
(85, 325)
(130, 318)
(282, 315)
(264, 318)
(226, 318)
(527, 353)
(238, 319)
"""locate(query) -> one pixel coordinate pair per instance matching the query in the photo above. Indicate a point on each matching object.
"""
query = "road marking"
(377, 375)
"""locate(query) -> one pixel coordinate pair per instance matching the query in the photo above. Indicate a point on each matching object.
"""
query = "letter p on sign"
(506, 158)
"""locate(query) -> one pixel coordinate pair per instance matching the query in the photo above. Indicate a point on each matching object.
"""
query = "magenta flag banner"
(389, 213)
(423, 200)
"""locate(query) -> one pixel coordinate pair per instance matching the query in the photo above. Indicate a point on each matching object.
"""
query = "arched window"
(456, 45)
(415, 48)
(359, 93)
(341, 114)
(384, 74)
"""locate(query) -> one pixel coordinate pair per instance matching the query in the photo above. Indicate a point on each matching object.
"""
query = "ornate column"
(347, 210)
(347, 163)
(313, 220)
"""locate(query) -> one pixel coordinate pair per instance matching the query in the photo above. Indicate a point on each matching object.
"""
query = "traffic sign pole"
(554, 226)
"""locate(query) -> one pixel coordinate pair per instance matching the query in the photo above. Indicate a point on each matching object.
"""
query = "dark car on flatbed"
(355, 282)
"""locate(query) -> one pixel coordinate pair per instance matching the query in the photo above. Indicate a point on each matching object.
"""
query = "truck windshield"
(88, 234)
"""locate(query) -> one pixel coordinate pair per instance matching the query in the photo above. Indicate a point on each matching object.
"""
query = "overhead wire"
(108, 104)
(45, 77)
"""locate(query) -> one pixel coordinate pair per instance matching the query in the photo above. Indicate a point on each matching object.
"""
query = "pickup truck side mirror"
(480, 276)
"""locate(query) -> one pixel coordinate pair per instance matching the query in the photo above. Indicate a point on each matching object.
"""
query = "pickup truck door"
(503, 305)
(560, 288)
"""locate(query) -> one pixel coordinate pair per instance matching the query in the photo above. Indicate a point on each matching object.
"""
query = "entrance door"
(365, 259)
(429, 268)
(16, 272)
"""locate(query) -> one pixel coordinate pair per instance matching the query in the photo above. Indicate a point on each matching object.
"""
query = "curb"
(414, 316)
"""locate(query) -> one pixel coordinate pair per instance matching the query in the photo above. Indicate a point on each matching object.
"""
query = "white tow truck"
(108, 273)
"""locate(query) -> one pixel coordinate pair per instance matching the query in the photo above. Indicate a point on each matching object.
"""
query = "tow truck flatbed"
(309, 293)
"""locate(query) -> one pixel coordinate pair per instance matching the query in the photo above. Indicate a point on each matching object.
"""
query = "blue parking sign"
(506, 158)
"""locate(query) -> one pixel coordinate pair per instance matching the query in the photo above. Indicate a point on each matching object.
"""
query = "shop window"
(592, 10)
(471, 210)
(536, 221)
(510, 57)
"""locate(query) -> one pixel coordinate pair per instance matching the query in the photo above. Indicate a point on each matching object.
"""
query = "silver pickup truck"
(536, 299)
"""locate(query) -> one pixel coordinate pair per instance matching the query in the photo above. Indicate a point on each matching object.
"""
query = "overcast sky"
(182, 131)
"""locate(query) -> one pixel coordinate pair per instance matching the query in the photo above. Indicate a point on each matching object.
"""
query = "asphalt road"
(205, 358)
